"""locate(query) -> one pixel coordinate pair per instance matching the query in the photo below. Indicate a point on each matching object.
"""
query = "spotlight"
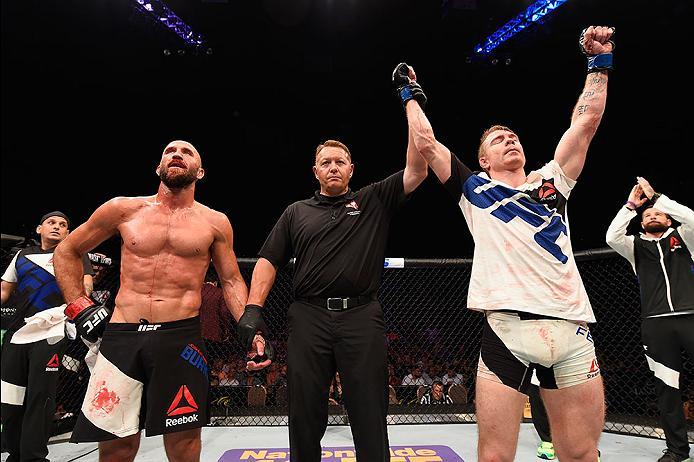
(181, 52)
(208, 51)
(508, 61)
(495, 62)
(167, 52)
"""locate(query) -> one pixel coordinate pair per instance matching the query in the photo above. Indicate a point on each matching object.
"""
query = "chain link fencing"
(430, 336)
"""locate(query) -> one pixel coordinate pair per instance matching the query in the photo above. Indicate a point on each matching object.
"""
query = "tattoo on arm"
(592, 99)
(587, 94)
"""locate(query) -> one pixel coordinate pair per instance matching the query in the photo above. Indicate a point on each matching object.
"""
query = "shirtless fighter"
(152, 371)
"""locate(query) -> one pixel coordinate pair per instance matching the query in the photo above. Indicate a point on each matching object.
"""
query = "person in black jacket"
(662, 259)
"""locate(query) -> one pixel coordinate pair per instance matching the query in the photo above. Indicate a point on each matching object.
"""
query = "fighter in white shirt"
(524, 276)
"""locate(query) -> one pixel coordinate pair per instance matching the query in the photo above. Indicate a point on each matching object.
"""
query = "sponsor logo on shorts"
(194, 356)
(148, 327)
(182, 420)
(594, 369)
(583, 331)
(183, 403)
(53, 363)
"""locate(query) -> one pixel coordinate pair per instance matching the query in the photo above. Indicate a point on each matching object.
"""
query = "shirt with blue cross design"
(523, 260)
(37, 290)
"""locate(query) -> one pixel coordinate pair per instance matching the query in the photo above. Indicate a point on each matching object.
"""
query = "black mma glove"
(90, 318)
(407, 88)
(250, 324)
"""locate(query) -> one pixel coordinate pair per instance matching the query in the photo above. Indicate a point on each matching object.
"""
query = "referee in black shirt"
(338, 237)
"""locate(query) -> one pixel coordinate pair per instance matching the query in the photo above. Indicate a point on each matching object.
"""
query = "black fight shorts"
(151, 376)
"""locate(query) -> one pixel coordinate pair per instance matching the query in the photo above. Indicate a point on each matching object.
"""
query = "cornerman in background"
(30, 368)
(662, 259)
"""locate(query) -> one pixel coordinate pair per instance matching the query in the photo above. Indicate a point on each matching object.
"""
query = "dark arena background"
(92, 91)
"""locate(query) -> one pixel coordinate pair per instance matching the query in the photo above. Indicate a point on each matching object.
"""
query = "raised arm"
(67, 258)
(679, 212)
(416, 168)
(616, 236)
(224, 259)
(436, 154)
(587, 114)
(420, 134)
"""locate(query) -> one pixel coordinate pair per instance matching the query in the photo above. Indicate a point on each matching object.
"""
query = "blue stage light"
(165, 15)
(532, 14)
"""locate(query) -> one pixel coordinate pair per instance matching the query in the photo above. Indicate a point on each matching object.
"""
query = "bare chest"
(183, 234)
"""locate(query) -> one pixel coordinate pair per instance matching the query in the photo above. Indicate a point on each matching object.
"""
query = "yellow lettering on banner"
(405, 452)
(326, 454)
(277, 455)
(397, 459)
(426, 459)
(348, 459)
(347, 453)
(256, 455)
(425, 452)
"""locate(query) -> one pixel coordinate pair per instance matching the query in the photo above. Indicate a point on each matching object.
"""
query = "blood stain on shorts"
(105, 399)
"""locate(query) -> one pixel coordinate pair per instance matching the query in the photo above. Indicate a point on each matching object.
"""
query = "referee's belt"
(338, 303)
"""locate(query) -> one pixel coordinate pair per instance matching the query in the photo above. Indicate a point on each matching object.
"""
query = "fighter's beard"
(178, 181)
(655, 228)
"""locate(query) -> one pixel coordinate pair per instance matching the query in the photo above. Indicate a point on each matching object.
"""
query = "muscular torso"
(164, 256)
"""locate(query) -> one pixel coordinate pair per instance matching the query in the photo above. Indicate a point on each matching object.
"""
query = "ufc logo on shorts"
(96, 319)
(148, 327)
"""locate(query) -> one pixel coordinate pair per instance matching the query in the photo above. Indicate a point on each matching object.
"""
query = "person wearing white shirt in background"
(662, 258)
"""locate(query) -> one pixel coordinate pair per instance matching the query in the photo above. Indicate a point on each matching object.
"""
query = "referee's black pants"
(351, 342)
(663, 339)
(29, 382)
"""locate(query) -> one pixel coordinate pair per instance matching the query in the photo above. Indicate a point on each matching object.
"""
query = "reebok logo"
(547, 192)
(594, 369)
(181, 420)
(53, 363)
(183, 403)
(594, 365)
(148, 327)
(674, 244)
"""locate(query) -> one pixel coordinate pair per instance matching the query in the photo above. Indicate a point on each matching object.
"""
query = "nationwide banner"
(432, 453)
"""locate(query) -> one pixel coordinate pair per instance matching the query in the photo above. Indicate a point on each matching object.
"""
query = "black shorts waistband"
(338, 303)
(525, 316)
(146, 326)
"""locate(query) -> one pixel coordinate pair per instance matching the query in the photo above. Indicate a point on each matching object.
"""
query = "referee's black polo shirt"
(339, 242)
